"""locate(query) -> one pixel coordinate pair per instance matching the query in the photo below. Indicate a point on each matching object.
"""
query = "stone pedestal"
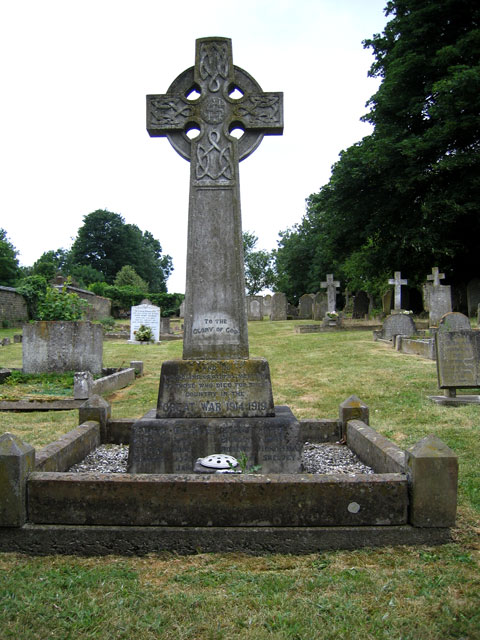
(173, 445)
(215, 389)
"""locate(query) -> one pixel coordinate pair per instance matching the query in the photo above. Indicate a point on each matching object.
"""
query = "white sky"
(72, 116)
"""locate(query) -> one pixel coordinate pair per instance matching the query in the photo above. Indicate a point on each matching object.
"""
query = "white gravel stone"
(317, 458)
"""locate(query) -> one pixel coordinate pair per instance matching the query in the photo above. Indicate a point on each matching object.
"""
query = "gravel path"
(317, 458)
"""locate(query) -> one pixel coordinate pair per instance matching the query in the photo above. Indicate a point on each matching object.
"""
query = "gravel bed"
(317, 458)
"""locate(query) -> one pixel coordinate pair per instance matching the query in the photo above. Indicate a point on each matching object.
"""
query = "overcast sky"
(72, 115)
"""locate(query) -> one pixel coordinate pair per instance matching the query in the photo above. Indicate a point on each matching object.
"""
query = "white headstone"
(147, 315)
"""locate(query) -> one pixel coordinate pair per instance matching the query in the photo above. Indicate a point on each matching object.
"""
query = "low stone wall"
(70, 449)
(424, 347)
(374, 449)
(13, 308)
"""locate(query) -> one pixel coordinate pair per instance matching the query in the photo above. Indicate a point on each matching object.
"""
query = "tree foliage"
(406, 197)
(106, 243)
(259, 272)
(9, 268)
(127, 276)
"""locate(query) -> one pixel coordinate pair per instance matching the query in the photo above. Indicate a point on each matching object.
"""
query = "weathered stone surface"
(279, 307)
(454, 321)
(215, 318)
(360, 305)
(320, 305)
(215, 388)
(71, 448)
(432, 470)
(397, 282)
(137, 366)
(473, 296)
(139, 541)
(352, 409)
(117, 380)
(318, 431)
(173, 445)
(198, 500)
(97, 409)
(305, 307)
(17, 459)
(62, 346)
(254, 308)
(437, 301)
(373, 449)
(398, 324)
(424, 347)
(39, 405)
(331, 286)
(148, 315)
(458, 359)
(82, 385)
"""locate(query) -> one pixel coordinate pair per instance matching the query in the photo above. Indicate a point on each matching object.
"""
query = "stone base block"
(215, 388)
(455, 401)
(172, 445)
(138, 541)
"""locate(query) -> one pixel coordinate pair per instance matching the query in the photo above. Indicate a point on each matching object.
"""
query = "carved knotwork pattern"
(259, 110)
(213, 161)
(214, 64)
(169, 112)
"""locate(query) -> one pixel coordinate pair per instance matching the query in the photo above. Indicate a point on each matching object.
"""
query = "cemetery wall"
(99, 307)
(13, 308)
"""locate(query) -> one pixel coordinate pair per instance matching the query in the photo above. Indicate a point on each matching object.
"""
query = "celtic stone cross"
(397, 283)
(331, 286)
(215, 317)
(436, 276)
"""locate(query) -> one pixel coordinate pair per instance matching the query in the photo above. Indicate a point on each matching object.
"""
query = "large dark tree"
(9, 269)
(106, 243)
(406, 197)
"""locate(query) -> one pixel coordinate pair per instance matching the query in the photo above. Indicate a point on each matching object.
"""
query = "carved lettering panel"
(458, 359)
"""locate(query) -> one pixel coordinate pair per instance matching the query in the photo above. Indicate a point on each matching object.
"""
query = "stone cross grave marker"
(436, 276)
(215, 318)
(331, 286)
(397, 283)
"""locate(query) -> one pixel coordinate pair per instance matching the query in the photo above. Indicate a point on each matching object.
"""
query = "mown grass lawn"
(395, 593)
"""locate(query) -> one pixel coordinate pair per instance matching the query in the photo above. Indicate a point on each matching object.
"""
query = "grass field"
(396, 593)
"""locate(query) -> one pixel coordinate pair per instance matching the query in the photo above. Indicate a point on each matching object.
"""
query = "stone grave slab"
(173, 445)
(398, 324)
(454, 321)
(279, 307)
(305, 307)
(254, 308)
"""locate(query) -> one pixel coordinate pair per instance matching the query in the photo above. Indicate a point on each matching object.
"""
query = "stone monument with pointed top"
(397, 282)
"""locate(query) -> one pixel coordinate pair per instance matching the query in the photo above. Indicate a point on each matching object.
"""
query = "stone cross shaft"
(436, 276)
(331, 286)
(397, 283)
(215, 318)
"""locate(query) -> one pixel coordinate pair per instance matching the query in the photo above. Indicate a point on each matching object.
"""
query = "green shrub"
(59, 304)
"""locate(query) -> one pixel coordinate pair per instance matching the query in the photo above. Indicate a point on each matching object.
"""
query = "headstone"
(454, 321)
(387, 301)
(398, 324)
(320, 305)
(397, 284)
(458, 359)
(267, 305)
(473, 296)
(165, 326)
(255, 308)
(360, 305)
(82, 385)
(62, 346)
(217, 384)
(182, 309)
(145, 314)
(279, 307)
(331, 286)
(305, 307)
(437, 297)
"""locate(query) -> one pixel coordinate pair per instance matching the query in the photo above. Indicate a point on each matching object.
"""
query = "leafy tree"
(50, 264)
(9, 269)
(405, 197)
(107, 244)
(127, 276)
(259, 273)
